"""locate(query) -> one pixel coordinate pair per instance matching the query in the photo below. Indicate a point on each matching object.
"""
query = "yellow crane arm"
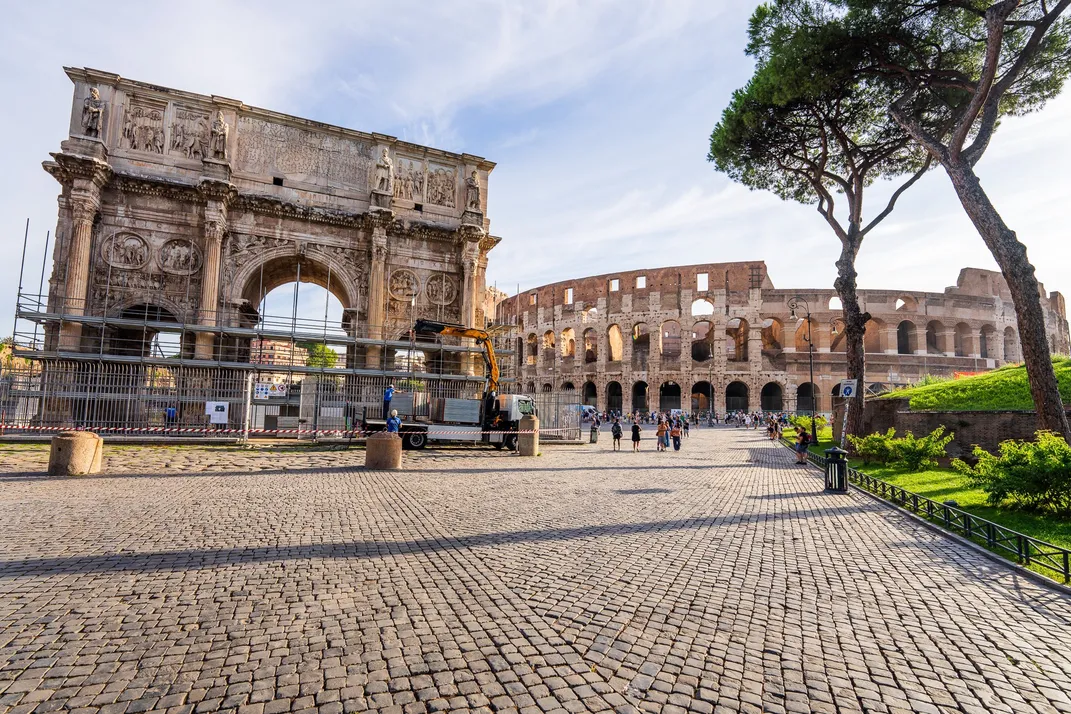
(481, 336)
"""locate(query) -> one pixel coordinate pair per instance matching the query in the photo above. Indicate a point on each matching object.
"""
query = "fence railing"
(1048, 558)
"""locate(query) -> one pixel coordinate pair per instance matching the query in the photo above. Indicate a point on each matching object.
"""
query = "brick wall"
(986, 429)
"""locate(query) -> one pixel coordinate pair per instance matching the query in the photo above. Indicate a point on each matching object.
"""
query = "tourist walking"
(615, 431)
(660, 434)
(685, 428)
(675, 434)
(636, 436)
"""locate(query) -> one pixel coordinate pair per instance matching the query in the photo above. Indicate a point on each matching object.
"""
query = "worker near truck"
(394, 424)
(388, 394)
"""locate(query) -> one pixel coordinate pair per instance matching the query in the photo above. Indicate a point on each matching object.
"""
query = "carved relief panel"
(180, 257)
(189, 133)
(442, 185)
(409, 179)
(143, 127)
(403, 284)
(441, 289)
(270, 149)
(126, 251)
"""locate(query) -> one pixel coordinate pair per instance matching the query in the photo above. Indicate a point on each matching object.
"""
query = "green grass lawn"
(944, 484)
(1004, 388)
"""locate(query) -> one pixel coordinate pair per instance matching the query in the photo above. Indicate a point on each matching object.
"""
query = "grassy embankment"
(1002, 389)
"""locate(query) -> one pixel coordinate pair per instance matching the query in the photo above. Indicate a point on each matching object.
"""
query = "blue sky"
(597, 113)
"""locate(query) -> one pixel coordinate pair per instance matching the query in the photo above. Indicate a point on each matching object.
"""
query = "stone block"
(383, 451)
(75, 453)
(528, 438)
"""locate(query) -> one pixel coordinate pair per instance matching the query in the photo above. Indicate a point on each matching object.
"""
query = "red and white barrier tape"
(6, 428)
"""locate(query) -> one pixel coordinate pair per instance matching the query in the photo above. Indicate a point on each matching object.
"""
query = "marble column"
(377, 295)
(84, 206)
(214, 230)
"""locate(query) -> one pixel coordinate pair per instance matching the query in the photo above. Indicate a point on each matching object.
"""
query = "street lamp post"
(793, 304)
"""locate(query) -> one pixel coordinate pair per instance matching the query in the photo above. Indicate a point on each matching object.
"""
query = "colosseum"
(722, 334)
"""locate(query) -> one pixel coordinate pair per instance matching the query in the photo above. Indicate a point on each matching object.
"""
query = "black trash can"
(594, 434)
(837, 470)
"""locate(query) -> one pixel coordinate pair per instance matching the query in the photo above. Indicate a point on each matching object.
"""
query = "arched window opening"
(907, 341)
(671, 340)
(772, 334)
(616, 343)
(702, 307)
(568, 342)
(591, 346)
(736, 334)
(702, 334)
(641, 346)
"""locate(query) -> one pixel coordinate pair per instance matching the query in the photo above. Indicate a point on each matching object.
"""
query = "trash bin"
(594, 435)
(836, 470)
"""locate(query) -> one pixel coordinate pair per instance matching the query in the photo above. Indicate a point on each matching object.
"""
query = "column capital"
(84, 206)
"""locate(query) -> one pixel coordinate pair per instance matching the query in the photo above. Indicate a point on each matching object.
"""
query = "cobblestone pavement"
(717, 579)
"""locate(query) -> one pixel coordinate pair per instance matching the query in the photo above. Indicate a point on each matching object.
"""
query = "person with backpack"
(636, 436)
(660, 435)
(615, 431)
(802, 438)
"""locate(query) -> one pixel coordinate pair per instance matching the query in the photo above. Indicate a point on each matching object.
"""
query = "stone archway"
(669, 396)
(639, 397)
(614, 400)
(736, 397)
(772, 397)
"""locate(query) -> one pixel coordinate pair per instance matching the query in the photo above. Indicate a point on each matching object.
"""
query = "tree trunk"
(854, 327)
(1011, 256)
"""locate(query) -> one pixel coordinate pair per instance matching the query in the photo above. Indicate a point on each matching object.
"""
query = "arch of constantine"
(721, 335)
(179, 212)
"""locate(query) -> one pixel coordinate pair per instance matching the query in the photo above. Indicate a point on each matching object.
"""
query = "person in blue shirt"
(388, 394)
(393, 422)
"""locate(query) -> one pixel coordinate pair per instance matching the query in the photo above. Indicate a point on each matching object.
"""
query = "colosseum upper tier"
(723, 334)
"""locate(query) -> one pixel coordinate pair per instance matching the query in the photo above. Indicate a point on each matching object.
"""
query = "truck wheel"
(510, 442)
(415, 440)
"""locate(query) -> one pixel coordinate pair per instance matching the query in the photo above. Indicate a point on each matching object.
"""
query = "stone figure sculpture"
(93, 114)
(472, 192)
(218, 138)
(385, 173)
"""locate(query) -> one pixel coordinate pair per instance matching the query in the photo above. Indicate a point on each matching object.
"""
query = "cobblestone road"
(717, 579)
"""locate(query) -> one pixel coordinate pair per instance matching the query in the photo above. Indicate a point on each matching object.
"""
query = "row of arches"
(737, 396)
(961, 340)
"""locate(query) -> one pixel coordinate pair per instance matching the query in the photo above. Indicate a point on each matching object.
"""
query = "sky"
(598, 115)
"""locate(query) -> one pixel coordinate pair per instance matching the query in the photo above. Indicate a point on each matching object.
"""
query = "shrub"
(805, 421)
(915, 453)
(1034, 475)
(874, 448)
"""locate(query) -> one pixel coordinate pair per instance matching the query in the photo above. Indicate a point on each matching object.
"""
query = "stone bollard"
(75, 453)
(528, 444)
(383, 450)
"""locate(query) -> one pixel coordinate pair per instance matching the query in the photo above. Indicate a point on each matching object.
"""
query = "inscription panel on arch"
(267, 148)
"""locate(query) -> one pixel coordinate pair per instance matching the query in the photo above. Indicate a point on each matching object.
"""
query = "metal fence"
(559, 415)
(1047, 558)
(183, 400)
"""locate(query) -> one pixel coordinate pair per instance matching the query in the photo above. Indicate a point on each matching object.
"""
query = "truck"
(492, 419)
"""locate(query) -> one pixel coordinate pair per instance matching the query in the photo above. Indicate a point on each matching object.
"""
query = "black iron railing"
(1045, 557)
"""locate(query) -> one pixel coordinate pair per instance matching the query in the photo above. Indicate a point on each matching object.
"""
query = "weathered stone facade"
(180, 207)
(650, 338)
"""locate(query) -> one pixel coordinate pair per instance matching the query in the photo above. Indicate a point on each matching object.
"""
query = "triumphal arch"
(179, 212)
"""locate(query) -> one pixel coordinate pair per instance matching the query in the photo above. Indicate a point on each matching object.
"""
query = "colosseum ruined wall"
(721, 335)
